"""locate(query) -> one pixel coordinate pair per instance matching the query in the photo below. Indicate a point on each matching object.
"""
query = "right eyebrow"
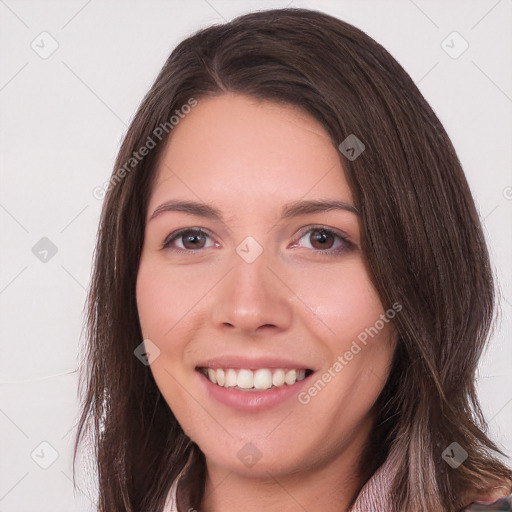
(191, 207)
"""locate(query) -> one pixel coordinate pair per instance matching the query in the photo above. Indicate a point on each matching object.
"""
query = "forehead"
(237, 148)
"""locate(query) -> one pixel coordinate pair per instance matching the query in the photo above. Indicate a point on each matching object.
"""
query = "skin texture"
(248, 158)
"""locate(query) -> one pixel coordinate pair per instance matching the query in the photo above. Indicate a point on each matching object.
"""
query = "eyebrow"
(289, 210)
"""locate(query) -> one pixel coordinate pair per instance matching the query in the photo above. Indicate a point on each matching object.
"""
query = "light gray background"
(62, 120)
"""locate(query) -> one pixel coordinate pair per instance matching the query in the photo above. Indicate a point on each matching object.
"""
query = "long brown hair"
(421, 239)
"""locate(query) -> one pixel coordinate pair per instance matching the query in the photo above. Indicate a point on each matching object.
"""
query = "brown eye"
(193, 241)
(325, 241)
(186, 240)
(321, 239)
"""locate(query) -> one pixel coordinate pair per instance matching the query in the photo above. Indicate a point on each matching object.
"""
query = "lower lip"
(252, 401)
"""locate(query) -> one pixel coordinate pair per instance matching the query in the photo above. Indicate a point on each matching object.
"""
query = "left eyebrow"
(191, 207)
(289, 210)
(297, 208)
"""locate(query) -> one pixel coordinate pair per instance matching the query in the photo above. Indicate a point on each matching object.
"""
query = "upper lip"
(239, 362)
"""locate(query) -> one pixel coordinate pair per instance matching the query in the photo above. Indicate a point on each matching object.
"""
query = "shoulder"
(171, 502)
(487, 503)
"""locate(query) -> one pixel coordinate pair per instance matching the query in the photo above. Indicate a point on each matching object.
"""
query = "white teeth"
(290, 377)
(262, 379)
(245, 379)
(212, 375)
(278, 378)
(230, 381)
(252, 380)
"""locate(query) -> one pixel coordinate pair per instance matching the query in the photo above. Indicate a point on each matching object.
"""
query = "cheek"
(161, 306)
(342, 300)
(165, 296)
(153, 297)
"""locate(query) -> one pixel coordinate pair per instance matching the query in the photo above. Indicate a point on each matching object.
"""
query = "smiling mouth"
(254, 380)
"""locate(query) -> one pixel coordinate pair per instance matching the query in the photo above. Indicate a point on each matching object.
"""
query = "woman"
(291, 287)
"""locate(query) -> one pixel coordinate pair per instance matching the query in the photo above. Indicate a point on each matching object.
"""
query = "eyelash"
(347, 245)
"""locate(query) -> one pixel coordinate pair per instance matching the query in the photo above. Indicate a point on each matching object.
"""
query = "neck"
(331, 485)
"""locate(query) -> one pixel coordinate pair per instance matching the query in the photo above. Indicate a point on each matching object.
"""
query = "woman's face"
(260, 283)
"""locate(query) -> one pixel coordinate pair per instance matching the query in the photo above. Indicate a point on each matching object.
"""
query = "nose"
(252, 298)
